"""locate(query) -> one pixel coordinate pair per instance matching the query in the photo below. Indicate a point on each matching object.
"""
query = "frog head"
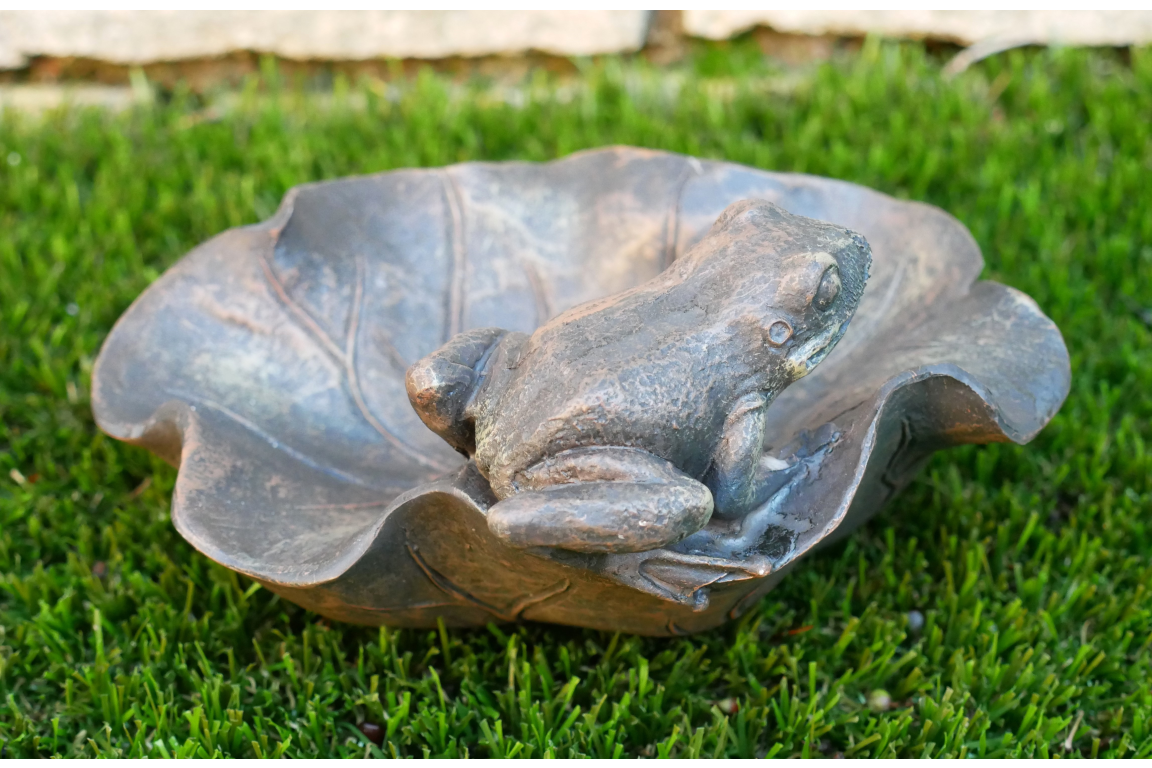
(787, 285)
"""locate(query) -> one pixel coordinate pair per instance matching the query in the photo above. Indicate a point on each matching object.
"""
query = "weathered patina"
(612, 360)
(627, 423)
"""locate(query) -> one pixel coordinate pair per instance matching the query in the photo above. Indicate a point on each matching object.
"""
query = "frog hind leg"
(441, 384)
(602, 500)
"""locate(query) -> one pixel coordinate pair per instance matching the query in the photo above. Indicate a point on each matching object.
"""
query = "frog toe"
(440, 385)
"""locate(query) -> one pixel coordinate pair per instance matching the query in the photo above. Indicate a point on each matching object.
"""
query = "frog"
(627, 423)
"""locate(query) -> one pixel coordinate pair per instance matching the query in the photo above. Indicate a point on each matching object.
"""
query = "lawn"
(1030, 567)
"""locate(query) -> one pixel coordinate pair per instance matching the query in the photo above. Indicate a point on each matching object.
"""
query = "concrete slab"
(130, 38)
(140, 37)
(964, 27)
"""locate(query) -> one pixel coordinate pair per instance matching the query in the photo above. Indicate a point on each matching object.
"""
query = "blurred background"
(93, 52)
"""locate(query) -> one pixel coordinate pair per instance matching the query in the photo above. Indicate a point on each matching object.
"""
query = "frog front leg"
(601, 499)
(441, 385)
(740, 472)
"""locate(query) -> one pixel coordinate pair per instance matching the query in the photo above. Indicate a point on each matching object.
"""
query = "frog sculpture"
(635, 455)
(625, 424)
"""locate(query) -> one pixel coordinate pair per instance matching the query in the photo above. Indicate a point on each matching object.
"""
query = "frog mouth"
(808, 355)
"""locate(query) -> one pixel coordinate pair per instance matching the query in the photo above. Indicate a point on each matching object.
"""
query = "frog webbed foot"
(770, 528)
(773, 474)
(742, 476)
(602, 500)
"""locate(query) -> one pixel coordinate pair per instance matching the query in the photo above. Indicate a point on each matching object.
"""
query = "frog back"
(650, 372)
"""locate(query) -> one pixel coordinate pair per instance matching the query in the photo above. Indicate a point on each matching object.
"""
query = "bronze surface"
(270, 366)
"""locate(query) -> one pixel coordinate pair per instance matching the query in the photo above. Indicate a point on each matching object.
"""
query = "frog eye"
(779, 332)
(829, 289)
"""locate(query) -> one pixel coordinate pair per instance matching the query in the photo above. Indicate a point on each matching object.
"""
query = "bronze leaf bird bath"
(624, 390)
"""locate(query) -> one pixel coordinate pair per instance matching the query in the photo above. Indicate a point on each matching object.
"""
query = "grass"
(1031, 567)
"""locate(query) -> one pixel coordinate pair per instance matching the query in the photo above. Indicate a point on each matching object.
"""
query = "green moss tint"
(1030, 565)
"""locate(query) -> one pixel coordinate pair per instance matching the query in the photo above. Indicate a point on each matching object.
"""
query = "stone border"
(1112, 28)
(145, 37)
(135, 38)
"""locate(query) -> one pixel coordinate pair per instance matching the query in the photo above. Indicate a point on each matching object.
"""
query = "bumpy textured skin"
(269, 365)
(600, 431)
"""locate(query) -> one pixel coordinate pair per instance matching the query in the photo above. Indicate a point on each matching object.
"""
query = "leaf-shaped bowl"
(268, 365)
